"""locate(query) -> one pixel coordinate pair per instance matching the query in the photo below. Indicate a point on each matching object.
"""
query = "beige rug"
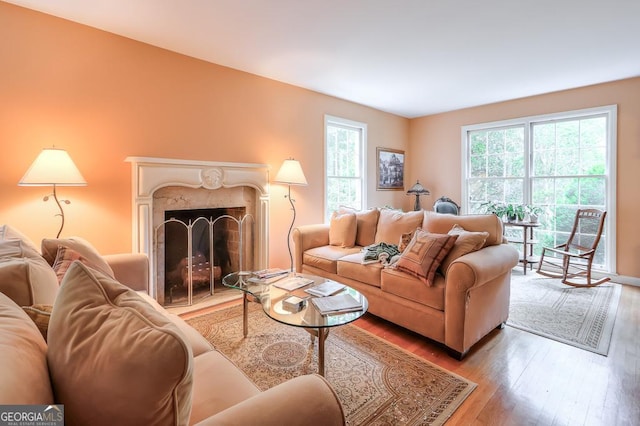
(377, 383)
(581, 317)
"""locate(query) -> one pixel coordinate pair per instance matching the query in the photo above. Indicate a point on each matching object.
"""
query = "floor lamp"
(56, 168)
(290, 173)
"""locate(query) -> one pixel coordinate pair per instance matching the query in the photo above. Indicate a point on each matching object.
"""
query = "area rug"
(581, 317)
(377, 383)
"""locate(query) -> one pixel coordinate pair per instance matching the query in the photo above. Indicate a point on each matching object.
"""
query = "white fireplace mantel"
(150, 174)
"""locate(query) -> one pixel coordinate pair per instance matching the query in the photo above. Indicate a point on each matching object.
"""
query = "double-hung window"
(345, 160)
(559, 162)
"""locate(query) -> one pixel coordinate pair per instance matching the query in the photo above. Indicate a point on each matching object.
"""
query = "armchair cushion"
(112, 351)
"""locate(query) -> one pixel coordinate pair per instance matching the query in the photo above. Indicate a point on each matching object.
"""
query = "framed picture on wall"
(390, 174)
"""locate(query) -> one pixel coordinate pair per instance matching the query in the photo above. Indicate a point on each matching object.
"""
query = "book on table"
(270, 280)
(339, 303)
(292, 283)
(326, 288)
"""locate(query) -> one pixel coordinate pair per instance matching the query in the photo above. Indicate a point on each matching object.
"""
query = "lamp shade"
(418, 189)
(53, 167)
(291, 173)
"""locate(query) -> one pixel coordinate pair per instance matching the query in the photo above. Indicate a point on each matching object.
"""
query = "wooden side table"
(527, 242)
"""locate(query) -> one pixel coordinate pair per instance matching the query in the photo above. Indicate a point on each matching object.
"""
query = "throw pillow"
(424, 254)
(25, 277)
(113, 352)
(84, 248)
(466, 243)
(40, 315)
(342, 229)
(65, 257)
(7, 232)
(366, 223)
(405, 239)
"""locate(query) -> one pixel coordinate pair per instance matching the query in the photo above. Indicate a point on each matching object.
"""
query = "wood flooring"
(525, 379)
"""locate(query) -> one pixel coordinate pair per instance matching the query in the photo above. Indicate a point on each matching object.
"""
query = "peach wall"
(104, 97)
(436, 150)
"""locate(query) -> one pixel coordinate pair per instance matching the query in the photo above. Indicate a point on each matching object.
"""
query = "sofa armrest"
(481, 266)
(300, 401)
(130, 269)
(477, 292)
(307, 237)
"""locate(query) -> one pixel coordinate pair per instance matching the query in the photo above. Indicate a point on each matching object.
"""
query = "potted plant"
(498, 209)
(534, 213)
(520, 212)
(510, 212)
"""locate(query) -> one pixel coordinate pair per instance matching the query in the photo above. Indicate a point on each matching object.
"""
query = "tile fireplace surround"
(150, 174)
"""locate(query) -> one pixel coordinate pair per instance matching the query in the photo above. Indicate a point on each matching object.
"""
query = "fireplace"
(164, 188)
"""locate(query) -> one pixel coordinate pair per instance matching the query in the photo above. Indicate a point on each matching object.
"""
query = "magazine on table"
(327, 288)
(336, 304)
(270, 280)
(292, 283)
(264, 274)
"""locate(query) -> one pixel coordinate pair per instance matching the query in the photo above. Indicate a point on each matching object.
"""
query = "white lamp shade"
(291, 173)
(53, 167)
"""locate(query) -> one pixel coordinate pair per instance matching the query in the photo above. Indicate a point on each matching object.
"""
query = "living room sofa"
(112, 355)
(465, 300)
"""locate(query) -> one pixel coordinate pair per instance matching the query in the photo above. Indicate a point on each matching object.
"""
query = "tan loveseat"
(462, 304)
(112, 355)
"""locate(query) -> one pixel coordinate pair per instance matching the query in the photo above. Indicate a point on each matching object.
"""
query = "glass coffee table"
(308, 317)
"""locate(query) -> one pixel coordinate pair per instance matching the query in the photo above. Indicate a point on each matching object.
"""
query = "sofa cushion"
(392, 224)
(342, 229)
(367, 223)
(439, 223)
(326, 257)
(407, 286)
(352, 266)
(23, 358)
(466, 243)
(25, 277)
(423, 255)
(50, 247)
(113, 358)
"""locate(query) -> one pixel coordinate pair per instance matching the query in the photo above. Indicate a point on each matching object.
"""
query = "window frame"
(608, 111)
(335, 121)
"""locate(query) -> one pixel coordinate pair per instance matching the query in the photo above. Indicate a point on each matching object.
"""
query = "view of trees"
(567, 171)
(344, 168)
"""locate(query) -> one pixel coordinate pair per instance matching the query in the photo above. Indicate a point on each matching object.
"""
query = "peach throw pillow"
(466, 243)
(342, 229)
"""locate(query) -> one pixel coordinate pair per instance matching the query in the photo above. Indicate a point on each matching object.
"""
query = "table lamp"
(290, 173)
(417, 190)
(54, 167)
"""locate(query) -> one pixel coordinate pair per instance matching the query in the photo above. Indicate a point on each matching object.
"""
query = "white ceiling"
(407, 57)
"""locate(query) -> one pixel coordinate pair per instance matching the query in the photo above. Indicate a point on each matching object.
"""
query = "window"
(345, 148)
(558, 162)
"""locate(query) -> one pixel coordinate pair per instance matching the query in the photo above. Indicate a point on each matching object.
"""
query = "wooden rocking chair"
(576, 258)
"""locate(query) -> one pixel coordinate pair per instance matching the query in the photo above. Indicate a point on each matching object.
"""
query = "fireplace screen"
(196, 248)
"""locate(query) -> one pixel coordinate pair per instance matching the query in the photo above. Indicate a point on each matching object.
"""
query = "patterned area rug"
(581, 317)
(377, 383)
